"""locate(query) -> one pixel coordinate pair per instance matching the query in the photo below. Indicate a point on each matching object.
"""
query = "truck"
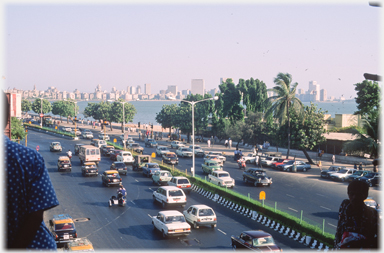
(47, 121)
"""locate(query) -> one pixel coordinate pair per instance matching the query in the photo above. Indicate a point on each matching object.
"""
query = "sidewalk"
(326, 159)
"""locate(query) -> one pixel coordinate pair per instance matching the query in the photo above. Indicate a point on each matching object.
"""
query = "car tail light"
(75, 235)
(109, 180)
(188, 229)
(160, 179)
(215, 219)
(198, 220)
(120, 179)
(188, 186)
(179, 186)
(170, 231)
(57, 236)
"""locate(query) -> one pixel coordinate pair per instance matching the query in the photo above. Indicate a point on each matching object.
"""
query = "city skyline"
(130, 45)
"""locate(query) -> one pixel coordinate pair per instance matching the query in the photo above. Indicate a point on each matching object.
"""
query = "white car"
(136, 147)
(161, 150)
(66, 129)
(176, 144)
(214, 158)
(128, 142)
(169, 196)
(200, 215)
(221, 157)
(198, 150)
(269, 160)
(171, 223)
(87, 134)
(221, 178)
(125, 157)
(184, 152)
(250, 158)
(122, 138)
(104, 137)
(342, 174)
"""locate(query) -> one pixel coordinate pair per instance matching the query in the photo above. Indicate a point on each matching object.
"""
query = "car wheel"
(233, 247)
(164, 234)
(213, 225)
(245, 179)
(255, 183)
(154, 199)
(163, 204)
(195, 225)
(304, 169)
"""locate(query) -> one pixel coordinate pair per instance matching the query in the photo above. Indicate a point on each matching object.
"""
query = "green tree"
(17, 129)
(368, 97)
(117, 112)
(166, 116)
(26, 105)
(41, 105)
(229, 105)
(181, 122)
(64, 108)
(284, 99)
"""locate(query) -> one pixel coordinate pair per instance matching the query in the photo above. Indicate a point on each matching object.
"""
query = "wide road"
(130, 226)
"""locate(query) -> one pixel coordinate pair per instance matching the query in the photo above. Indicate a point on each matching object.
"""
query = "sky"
(80, 44)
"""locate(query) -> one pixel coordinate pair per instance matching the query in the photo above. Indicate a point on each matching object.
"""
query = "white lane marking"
(292, 209)
(222, 231)
(320, 195)
(289, 195)
(326, 208)
(136, 180)
(133, 202)
(149, 215)
(332, 225)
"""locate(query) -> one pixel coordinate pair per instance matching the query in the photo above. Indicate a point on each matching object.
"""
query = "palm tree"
(284, 99)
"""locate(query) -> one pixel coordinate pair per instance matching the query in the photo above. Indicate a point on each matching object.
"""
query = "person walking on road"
(230, 143)
(361, 166)
(333, 159)
(226, 143)
(355, 166)
(209, 143)
(257, 161)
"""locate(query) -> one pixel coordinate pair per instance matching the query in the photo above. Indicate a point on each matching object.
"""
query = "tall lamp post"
(41, 112)
(193, 128)
(75, 102)
(122, 102)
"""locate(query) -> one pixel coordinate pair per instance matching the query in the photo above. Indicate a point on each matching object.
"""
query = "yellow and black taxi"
(107, 150)
(120, 167)
(111, 177)
(64, 164)
(63, 228)
(79, 244)
(89, 169)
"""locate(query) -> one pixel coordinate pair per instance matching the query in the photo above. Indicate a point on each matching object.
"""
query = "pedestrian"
(209, 143)
(254, 149)
(237, 145)
(236, 154)
(355, 166)
(257, 160)
(357, 227)
(333, 159)
(361, 166)
(230, 143)
(226, 143)
(29, 193)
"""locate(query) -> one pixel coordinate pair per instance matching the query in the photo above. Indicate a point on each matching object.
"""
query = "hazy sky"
(78, 46)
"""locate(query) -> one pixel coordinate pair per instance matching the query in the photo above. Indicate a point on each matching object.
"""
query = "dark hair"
(359, 185)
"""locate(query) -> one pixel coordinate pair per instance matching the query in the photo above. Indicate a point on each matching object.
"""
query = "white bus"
(89, 153)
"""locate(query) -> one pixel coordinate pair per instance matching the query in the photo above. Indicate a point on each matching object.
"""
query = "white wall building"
(198, 86)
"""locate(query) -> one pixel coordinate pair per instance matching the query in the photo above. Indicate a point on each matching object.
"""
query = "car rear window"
(205, 212)
(183, 181)
(64, 226)
(175, 193)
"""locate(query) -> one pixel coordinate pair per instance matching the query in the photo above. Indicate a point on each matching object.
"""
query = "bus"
(89, 153)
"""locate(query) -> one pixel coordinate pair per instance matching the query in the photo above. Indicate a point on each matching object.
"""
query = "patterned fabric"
(29, 189)
(364, 225)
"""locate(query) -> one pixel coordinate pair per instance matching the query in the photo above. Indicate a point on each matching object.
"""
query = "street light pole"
(41, 112)
(193, 128)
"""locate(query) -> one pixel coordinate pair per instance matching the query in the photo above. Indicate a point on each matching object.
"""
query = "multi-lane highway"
(86, 200)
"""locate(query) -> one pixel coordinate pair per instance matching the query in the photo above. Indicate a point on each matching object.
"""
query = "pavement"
(326, 159)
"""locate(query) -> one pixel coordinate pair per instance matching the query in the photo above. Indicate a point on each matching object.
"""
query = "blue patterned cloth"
(29, 189)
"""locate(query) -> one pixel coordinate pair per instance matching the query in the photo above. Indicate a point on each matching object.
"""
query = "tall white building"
(172, 89)
(314, 89)
(138, 89)
(132, 90)
(198, 86)
(147, 88)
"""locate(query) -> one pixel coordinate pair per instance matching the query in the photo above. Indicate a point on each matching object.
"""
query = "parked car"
(198, 150)
(62, 228)
(289, 166)
(125, 156)
(171, 223)
(210, 165)
(357, 174)
(161, 177)
(257, 177)
(113, 156)
(221, 178)
(184, 152)
(140, 161)
(120, 167)
(169, 196)
(219, 154)
(342, 174)
(257, 240)
(176, 144)
(280, 161)
(331, 170)
(170, 158)
(55, 146)
(160, 150)
(182, 183)
(372, 178)
(150, 168)
(111, 177)
(89, 169)
(150, 143)
(136, 147)
(107, 150)
(267, 161)
(200, 215)
(64, 163)
(104, 137)
(77, 148)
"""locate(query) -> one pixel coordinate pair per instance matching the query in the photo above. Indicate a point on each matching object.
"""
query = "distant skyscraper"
(138, 91)
(314, 89)
(147, 88)
(129, 89)
(323, 95)
(172, 89)
(132, 90)
(198, 86)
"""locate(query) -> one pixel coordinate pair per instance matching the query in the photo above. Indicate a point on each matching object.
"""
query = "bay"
(147, 110)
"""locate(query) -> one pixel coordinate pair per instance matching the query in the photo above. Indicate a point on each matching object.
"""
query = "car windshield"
(263, 241)
(223, 175)
(358, 173)
(342, 171)
(175, 193)
(171, 155)
(56, 144)
(268, 159)
(126, 154)
(164, 174)
(205, 212)
(174, 219)
(280, 160)
(119, 165)
(64, 226)
(370, 175)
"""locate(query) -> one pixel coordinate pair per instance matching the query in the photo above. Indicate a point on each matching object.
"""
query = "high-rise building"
(147, 88)
(314, 90)
(138, 90)
(323, 95)
(198, 86)
(172, 89)
(132, 90)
